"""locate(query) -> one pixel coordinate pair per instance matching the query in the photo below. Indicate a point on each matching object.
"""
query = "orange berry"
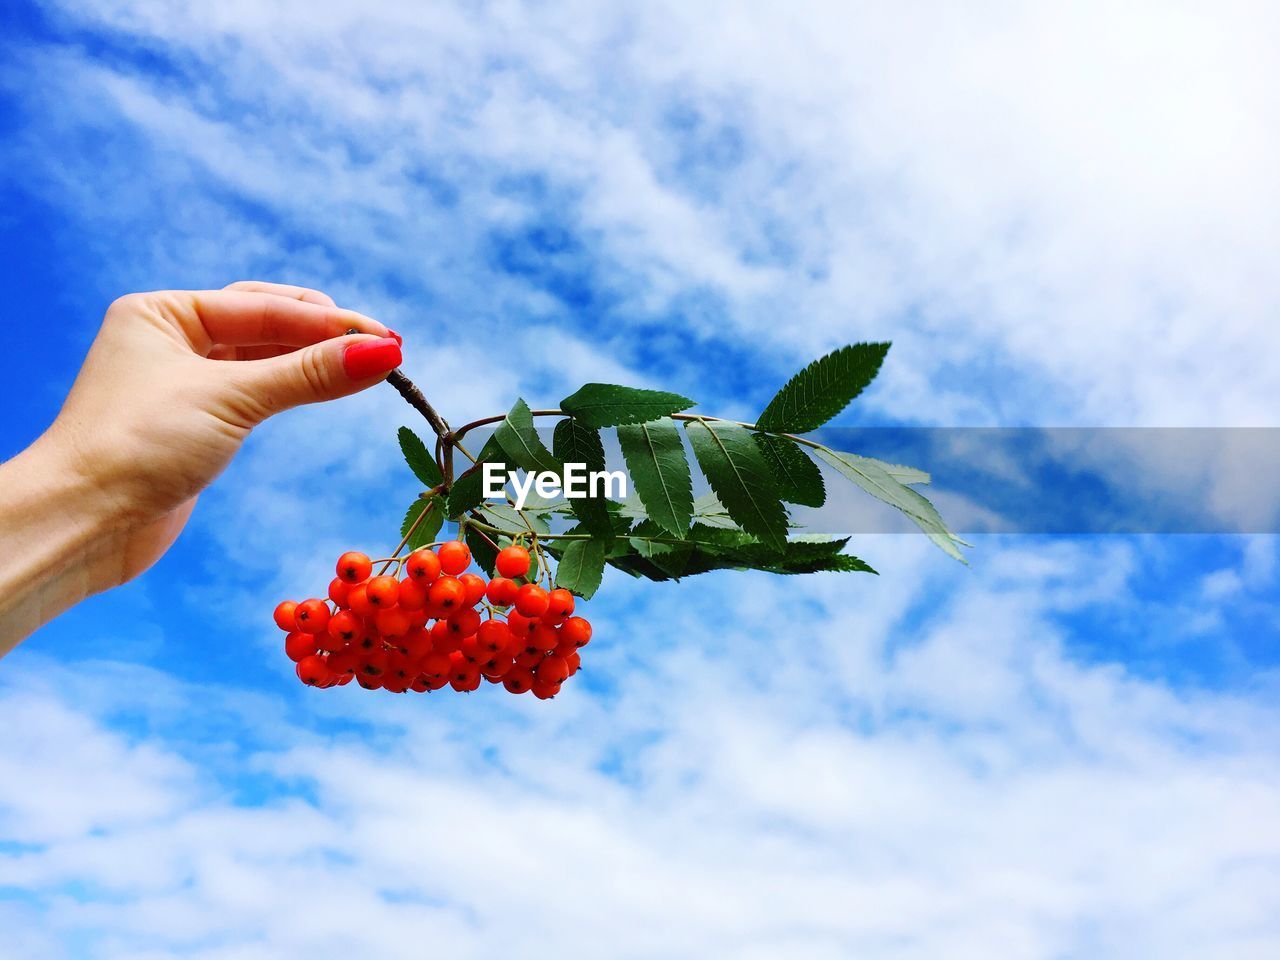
(354, 567)
(512, 562)
(447, 593)
(299, 646)
(475, 587)
(312, 616)
(455, 556)
(358, 600)
(501, 591)
(338, 591)
(284, 616)
(517, 680)
(559, 606)
(412, 595)
(532, 600)
(576, 630)
(552, 671)
(383, 592)
(423, 566)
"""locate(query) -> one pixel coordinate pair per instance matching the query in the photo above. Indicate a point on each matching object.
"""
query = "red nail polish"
(399, 339)
(370, 358)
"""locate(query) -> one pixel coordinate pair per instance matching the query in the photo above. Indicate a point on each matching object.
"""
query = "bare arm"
(173, 384)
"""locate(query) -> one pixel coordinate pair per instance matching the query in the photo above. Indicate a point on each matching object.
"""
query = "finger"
(283, 290)
(321, 371)
(247, 318)
(223, 351)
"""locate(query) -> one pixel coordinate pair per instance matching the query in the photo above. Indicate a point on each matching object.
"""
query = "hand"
(171, 387)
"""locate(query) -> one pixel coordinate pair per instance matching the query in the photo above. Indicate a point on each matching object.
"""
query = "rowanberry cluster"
(438, 625)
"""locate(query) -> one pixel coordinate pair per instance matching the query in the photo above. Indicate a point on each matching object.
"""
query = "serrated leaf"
(799, 479)
(872, 477)
(659, 472)
(609, 405)
(840, 563)
(823, 388)
(574, 442)
(425, 531)
(519, 440)
(510, 521)
(481, 550)
(904, 474)
(468, 490)
(670, 557)
(419, 458)
(740, 477)
(581, 567)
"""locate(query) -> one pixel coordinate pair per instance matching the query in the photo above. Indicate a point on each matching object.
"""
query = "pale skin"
(170, 389)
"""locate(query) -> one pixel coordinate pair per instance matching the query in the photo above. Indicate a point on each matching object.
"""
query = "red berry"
(576, 631)
(496, 666)
(419, 686)
(472, 651)
(373, 664)
(313, 670)
(464, 677)
(299, 646)
(383, 592)
(344, 663)
(501, 591)
(354, 567)
(464, 623)
(455, 556)
(423, 566)
(412, 595)
(475, 587)
(447, 593)
(559, 606)
(574, 660)
(532, 600)
(443, 639)
(312, 616)
(346, 627)
(521, 627)
(512, 562)
(284, 615)
(393, 622)
(369, 681)
(544, 638)
(517, 680)
(416, 644)
(494, 636)
(358, 600)
(529, 658)
(545, 691)
(338, 591)
(436, 666)
(552, 671)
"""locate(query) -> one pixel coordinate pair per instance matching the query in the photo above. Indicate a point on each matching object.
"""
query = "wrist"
(57, 531)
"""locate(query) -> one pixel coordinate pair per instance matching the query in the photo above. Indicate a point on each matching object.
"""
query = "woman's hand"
(171, 387)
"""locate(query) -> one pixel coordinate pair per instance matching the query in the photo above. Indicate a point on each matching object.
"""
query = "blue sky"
(1060, 217)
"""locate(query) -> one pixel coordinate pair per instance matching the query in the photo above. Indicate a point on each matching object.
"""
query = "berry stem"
(408, 533)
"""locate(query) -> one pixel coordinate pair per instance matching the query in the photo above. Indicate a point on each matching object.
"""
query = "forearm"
(58, 543)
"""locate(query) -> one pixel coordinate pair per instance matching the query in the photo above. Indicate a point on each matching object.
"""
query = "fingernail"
(399, 339)
(370, 358)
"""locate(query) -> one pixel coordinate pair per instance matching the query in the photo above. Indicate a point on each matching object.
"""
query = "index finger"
(249, 318)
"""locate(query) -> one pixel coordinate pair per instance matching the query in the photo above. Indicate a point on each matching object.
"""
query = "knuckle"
(315, 372)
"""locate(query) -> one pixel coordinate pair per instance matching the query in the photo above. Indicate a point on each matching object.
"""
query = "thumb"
(322, 371)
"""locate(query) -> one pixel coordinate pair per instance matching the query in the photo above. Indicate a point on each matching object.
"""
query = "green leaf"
(468, 490)
(823, 388)
(426, 531)
(659, 472)
(581, 567)
(419, 459)
(799, 479)
(574, 442)
(608, 405)
(509, 520)
(903, 474)
(669, 557)
(872, 477)
(483, 554)
(840, 563)
(740, 477)
(519, 440)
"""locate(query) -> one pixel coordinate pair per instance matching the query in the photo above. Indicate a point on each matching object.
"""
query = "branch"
(413, 396)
